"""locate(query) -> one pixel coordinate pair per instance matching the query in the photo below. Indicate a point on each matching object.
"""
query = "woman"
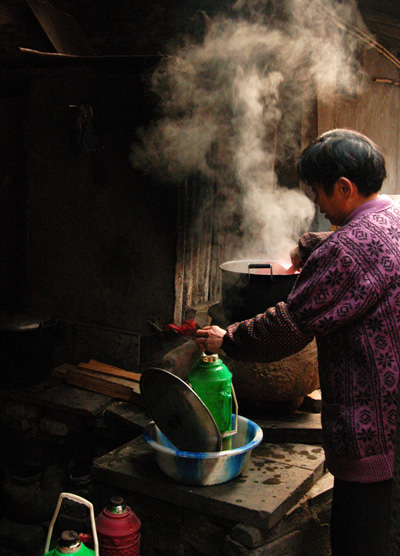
(347, 296)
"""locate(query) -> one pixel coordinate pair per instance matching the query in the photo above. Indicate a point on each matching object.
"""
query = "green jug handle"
(235, 426)
(80, 500)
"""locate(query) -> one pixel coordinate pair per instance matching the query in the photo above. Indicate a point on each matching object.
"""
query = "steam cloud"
(232, 107)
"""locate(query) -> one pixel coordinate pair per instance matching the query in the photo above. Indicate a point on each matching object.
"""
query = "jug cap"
(69, 542)
(209, 357)
(116, 505)
(179, 412)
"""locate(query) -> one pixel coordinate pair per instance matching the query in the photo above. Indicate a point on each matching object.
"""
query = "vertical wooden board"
(188, 247)
(180, 250)
(203, 235)
(194, 251)
(309, 119)
(326, 114)
(217, 251)
(195, 243)
(372, 113)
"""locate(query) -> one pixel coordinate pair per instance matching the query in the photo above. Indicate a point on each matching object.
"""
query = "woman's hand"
(297, 262)
(210, 338)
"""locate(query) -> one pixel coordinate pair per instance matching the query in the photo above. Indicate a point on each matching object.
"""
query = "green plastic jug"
(211, 380)
(69, 543)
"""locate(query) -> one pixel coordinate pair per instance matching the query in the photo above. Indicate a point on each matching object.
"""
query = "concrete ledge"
(275, 479)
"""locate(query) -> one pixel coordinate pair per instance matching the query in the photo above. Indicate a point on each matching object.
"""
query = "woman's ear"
(346, 188)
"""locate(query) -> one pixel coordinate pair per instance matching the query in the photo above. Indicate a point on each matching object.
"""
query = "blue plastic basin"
(205, 468)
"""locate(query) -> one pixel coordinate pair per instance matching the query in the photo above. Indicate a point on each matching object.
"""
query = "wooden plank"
(61, 370)
(104, 368)
(111, 386)
(130, 384)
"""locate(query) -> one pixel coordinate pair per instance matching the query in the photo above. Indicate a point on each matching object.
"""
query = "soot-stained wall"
(101, 238)
(85, 237)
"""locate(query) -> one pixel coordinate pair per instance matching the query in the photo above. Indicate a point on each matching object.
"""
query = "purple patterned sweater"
(347, 296)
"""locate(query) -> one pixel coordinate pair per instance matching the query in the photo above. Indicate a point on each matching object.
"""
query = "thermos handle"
(235, 427)
(261, 265)
(80, 500)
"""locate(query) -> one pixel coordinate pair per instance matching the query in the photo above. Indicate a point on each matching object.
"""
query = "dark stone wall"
(85, 237)
(12, 201)
(101, 239)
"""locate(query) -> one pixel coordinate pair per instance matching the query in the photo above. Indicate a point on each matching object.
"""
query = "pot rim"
(227, 266)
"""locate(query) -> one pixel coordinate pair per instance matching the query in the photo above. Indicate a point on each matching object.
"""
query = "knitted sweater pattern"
(348, 297)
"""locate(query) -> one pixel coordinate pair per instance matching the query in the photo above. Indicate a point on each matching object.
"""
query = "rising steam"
(232, 108)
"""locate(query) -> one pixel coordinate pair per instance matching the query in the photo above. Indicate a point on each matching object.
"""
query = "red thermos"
(118, 530)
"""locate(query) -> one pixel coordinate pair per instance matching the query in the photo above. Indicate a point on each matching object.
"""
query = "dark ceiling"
(124, 27)
(382, 17)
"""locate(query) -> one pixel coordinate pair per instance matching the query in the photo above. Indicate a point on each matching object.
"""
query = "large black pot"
(249, 287)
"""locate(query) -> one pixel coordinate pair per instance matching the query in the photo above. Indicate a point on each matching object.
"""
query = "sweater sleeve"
(267, 337)
(331, 291)
(309, 241)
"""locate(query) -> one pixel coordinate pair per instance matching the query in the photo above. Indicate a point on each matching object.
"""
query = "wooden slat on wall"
(195, 266)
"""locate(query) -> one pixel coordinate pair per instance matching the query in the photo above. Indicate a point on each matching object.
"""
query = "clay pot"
(283, 382)
(279, 385)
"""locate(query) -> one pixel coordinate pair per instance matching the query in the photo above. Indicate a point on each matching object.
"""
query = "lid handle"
(261, 265)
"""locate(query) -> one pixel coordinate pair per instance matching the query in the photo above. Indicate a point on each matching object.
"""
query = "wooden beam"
(118, 388)
(110, 370)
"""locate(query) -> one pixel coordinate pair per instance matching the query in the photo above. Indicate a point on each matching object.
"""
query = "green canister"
(69, 543)
(211, 380)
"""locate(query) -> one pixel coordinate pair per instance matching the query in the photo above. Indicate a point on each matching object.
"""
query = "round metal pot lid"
(178, 412)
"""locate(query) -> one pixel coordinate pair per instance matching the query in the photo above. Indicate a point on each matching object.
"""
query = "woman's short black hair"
(343, 153)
